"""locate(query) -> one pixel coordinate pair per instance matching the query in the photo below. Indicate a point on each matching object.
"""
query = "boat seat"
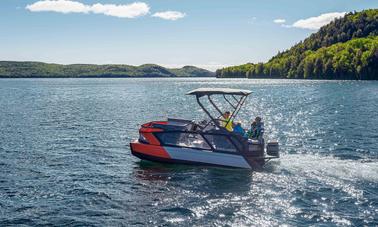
(176, 121)
(178, 124)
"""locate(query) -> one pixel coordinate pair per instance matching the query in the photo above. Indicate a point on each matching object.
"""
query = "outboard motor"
(272, 149)
(256, 147)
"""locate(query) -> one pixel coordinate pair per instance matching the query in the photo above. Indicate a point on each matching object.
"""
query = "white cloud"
(60, 6)
(132, 10)
(279, 21)
(286, 26)
(169, 15)
(315, 23)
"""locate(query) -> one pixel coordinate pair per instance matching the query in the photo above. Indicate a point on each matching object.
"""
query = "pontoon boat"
(205, 142)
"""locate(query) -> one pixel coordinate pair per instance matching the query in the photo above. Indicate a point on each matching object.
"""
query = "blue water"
(65, 160)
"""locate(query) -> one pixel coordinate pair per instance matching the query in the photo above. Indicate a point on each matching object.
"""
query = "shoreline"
(152, 77)
(105, 77)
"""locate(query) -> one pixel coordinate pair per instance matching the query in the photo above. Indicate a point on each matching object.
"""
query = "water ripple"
(65, 160)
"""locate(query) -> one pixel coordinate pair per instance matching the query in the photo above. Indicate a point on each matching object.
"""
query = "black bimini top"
(218, 91)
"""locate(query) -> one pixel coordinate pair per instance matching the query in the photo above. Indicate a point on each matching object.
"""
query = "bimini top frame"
(236, 104)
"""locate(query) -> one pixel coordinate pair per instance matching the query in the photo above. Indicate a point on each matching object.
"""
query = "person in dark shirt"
(257, 129)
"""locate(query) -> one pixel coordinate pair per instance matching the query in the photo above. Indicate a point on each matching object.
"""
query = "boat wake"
(316, 165)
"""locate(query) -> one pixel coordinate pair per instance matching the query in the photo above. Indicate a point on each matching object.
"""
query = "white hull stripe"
(209, 157)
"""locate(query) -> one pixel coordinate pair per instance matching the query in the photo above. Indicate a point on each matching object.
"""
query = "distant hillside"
(12, 69)
(346, 48)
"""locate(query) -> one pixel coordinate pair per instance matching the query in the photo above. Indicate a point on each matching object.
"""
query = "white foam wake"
(317, 165)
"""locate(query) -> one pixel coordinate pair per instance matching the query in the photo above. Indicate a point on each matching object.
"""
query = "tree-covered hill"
(12, 69)
(346, 48)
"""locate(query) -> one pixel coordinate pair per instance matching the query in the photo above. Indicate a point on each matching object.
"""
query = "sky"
(206, 33)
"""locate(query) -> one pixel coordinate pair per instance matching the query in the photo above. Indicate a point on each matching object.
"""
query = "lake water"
(65, 159)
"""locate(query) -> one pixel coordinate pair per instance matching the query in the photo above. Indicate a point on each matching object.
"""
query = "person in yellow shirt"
(226, 122)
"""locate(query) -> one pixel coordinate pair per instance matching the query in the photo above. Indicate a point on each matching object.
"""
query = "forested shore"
(347, 48)
(14, 69)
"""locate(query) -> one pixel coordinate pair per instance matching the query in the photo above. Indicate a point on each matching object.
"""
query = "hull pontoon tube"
(205, 143)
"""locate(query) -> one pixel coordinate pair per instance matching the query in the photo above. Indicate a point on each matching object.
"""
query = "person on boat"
(239, 129)
(226, 122)
(257, 129)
